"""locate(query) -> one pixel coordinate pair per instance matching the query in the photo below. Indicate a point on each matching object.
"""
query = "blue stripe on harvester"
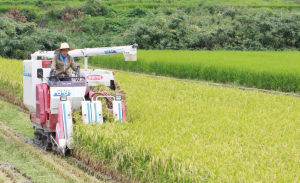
(88, 106)
(120, 117)
(95, 112)
(27, 74)
(65, 120)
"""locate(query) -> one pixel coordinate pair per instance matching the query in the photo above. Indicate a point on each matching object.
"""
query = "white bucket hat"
(64, 46)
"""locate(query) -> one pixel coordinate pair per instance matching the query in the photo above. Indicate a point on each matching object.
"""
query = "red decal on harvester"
(94, 77)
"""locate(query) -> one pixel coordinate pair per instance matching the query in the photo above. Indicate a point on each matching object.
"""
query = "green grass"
(252, 5)
(174, 3)
(232, 2)
(154, 4)
(34, 2)
(15, 118)
(5, 6)
(265, 70)
(189, 132)
(15, 153)
(26, 163)
(41, 166)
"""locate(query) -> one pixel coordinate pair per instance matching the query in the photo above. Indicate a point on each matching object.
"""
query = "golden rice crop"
(194, 132)
(11, 72)
(11, 78)
(179, 131)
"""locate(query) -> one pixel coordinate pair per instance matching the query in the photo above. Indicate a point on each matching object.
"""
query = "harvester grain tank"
(51, 101)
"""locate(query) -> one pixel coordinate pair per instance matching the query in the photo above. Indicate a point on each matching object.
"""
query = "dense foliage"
(19, 40)
(194, 26)
(204, 26)
(216, 28)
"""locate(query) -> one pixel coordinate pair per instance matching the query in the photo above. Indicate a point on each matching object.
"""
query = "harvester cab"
(51, 100)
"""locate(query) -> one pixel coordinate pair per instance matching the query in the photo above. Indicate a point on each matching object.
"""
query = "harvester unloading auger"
(51, 103)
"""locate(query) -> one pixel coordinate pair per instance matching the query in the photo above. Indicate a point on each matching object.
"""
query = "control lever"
(77, 73)
(52, 75)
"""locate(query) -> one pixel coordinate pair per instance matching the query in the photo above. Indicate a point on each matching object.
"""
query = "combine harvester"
(51, 103)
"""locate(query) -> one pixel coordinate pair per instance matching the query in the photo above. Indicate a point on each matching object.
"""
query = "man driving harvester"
(63, 61)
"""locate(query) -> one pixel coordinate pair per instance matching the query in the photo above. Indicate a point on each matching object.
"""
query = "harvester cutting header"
(51, 99)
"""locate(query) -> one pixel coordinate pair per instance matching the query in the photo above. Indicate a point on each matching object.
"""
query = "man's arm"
(73, 65)
(53, 65)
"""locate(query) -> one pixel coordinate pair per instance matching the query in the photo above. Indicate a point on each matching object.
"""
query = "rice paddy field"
(264, 70)
(11, 78)
(190, 132)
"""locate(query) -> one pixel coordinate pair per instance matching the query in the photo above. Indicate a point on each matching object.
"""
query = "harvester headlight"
(63, 98)
(118, 97)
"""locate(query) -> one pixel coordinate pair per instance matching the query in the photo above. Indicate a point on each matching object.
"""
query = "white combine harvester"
(51, 103)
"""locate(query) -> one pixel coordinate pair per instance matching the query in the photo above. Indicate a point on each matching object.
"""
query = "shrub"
(93, 25)
(40, 4)
(94, 8)
(29, 13)
(18, 39)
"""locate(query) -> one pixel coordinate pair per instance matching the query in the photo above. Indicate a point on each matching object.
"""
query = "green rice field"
(264, 70)
(156, 3)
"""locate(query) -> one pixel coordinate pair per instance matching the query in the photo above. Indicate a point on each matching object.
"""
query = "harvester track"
(67, 167)
(80, 163)
(9, 173)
